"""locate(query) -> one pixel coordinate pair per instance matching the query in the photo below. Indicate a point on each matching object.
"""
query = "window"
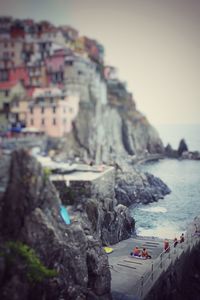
(42, 110)
(71, 110)
(54, 121)
(7, 92)
(3, 75)
(31, 110)
(64, 110)
(43, 121)
(32, 122)
(54, 109)
(64, 121)
(5, 45)
(69, 63)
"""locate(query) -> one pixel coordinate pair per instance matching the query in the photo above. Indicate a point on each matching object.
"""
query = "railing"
(162, 263)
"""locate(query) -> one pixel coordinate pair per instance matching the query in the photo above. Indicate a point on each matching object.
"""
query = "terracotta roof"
(7, 84)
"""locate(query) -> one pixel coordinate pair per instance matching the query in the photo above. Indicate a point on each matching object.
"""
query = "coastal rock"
(95, 206)
(136, 187)
(104, 132)
(182, 147)
(182, 152)
(31, 215)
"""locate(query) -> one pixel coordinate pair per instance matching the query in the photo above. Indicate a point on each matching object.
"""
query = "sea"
(169, 217)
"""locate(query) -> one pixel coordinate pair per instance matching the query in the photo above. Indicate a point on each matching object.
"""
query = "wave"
(165, 231)
(156, 209)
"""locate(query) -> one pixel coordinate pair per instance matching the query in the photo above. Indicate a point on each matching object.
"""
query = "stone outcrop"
(106, 131)
(182, 147)
(93, 203)
(136, 187)
(182, 152)
(31, 215)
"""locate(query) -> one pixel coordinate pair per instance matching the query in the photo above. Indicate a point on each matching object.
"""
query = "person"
(136, 252)
(166, 245)
(175, 242)
(182, 238)
(145, 253)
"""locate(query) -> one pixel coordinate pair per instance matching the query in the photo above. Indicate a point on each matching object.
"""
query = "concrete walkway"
(126, 271)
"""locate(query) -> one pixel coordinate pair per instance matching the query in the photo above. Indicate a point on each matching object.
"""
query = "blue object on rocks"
(65, 214)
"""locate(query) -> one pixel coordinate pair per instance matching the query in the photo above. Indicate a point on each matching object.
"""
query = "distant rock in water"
(182, 147)
(31, 215)
(182, 152)
(133, 188)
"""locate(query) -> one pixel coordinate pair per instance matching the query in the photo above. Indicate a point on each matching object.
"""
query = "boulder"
(137, 187)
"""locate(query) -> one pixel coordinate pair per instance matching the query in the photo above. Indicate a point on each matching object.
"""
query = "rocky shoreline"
(32, 217)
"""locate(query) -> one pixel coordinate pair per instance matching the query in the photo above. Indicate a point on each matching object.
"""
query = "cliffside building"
(52, 111)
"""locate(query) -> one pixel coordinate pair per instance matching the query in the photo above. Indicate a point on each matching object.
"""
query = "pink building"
(52, 112)
(55, 67)
(19, 73)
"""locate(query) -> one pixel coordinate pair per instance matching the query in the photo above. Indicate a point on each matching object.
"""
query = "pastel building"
(11, 49)
(52, 111)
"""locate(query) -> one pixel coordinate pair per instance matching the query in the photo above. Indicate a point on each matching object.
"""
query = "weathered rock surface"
(106, 131)
(31, 214)
(132, 188)
(95, 205)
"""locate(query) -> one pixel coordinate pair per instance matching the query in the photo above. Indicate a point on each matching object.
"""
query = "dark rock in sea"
(170, 152)
(31, 215)
(182, 147)
(182, 152)
(135, 187)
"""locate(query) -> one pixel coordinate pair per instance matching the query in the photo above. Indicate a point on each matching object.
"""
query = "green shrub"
(36, 271)
(47, 173)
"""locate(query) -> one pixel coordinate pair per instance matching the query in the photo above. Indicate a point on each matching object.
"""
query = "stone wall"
(76, 191)
(179, 274)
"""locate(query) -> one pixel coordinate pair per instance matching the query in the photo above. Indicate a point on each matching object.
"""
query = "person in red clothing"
(166, 245)
(136, 252)
(145, 253)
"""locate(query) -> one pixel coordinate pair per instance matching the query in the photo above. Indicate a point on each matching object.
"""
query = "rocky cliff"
(51, 260)
(107, 131)
(94, 204)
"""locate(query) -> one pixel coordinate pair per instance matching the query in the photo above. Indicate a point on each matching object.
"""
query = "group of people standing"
(167, 246)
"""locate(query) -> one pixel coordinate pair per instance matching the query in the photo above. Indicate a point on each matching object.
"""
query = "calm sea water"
(169, 216)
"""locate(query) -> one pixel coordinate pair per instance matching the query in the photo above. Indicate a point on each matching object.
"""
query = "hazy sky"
(155, 44)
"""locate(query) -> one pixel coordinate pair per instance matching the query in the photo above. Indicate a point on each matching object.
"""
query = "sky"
(154, 44)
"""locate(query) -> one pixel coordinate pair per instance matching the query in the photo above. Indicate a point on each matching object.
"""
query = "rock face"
(182, 147)
(105, 131)
(31, 215)
(134, 187)
(95, 205)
